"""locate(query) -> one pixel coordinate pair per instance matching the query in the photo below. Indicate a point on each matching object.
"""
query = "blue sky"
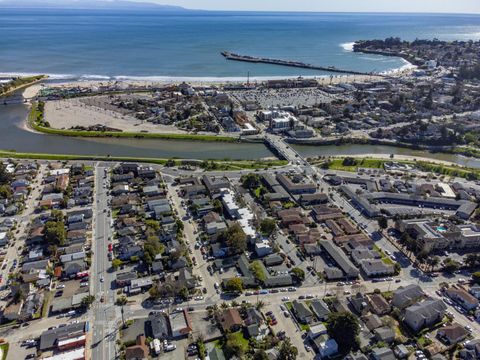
(448, 6)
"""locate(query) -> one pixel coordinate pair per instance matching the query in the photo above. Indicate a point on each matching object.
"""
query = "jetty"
(297, 64)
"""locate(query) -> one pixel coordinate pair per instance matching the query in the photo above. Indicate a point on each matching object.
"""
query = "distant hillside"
(86, 4)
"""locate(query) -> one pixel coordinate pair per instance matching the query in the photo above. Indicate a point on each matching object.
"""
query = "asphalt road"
(104, 314)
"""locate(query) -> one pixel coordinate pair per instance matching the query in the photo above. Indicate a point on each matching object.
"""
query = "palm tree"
(260, 305)
(224, 305)
(434, 262)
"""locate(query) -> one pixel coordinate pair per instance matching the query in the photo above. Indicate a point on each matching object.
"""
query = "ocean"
(104, 44)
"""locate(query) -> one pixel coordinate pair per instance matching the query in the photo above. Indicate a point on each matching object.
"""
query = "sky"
(442, 6)
(429, 6)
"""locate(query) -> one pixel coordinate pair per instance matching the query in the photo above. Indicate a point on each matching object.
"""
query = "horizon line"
(181, 9)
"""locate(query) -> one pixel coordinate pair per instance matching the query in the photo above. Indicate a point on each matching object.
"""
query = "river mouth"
(15, 136)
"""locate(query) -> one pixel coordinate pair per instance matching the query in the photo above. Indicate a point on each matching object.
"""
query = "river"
(14, 136)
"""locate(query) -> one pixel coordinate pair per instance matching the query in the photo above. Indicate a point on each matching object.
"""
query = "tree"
(122, 300)
(450, 265)
(154, 292)
(287, 351)
(5, 176)
(298, 273)
(55, 233)
(235, 347)
(349, 161)
(87, 301)
(344, 328)
(217, 206)
(267, 226)
(250, 181)
(152, 225)
(382, 222)
(57, 216)
(5, 192)
(116, 263)
(258, 271)
(234, 285)
(235, 238)
(476, 277)
(260, 355)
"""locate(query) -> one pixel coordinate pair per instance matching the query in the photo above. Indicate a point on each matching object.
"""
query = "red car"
(110, 247)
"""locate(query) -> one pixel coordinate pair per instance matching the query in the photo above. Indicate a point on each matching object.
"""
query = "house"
(385, 334)
(137, 351)
(216, 354)
(316, 331)
(401, 351)
(50, 339)
(230, 320)
(382, 353)
(405, 296)
(302, 312)
(125, 278)
(253, 316)
(378, 304)
(159, 325)
(360, 303)
(452, 334)
(325, 346)
(425, 313)
(376, 268)
(180, 324)
(463, 298)
(372, 322)
(320, 309)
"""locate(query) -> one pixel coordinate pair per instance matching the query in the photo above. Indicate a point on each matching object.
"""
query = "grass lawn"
(4, 348)
(337, 164)
(240, 338)
(46, 303)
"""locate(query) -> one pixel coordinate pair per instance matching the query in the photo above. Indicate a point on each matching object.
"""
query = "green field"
(221, 165)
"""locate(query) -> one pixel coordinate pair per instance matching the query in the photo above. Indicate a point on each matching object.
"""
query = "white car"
(60, 286)
(285, 298)
(84, 284)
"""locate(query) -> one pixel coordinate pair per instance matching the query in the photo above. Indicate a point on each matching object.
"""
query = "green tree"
(116, 263)
(87, 301)
(5, 192)
(234, 285)
(250, 181)
(267, 226)
(122, 300)
(57, 216)
(382, 222)
(344, 328)
(260, 355)
(235, 347)
(235, 238)
(152, 225)
(258, 270)
(286, 351)
(450, 265)
(5, 176)
(217, 206)
(55, 233)
(476, 277)
(298, 273)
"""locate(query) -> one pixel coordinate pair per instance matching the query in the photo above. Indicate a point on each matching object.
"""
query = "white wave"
(347, 46)
(406, 66)
(95, 77)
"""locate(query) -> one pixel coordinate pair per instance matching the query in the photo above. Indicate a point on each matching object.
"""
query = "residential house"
(452, 334)
(405, 296)
(425, 313)
(302, 312)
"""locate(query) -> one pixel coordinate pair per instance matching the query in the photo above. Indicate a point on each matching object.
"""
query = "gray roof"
(49, 338)
(340, 258)
(406, 294)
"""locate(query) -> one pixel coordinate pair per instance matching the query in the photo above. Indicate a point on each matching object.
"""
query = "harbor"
(296, 64)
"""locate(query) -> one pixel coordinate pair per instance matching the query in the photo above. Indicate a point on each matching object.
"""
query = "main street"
(104, 313)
